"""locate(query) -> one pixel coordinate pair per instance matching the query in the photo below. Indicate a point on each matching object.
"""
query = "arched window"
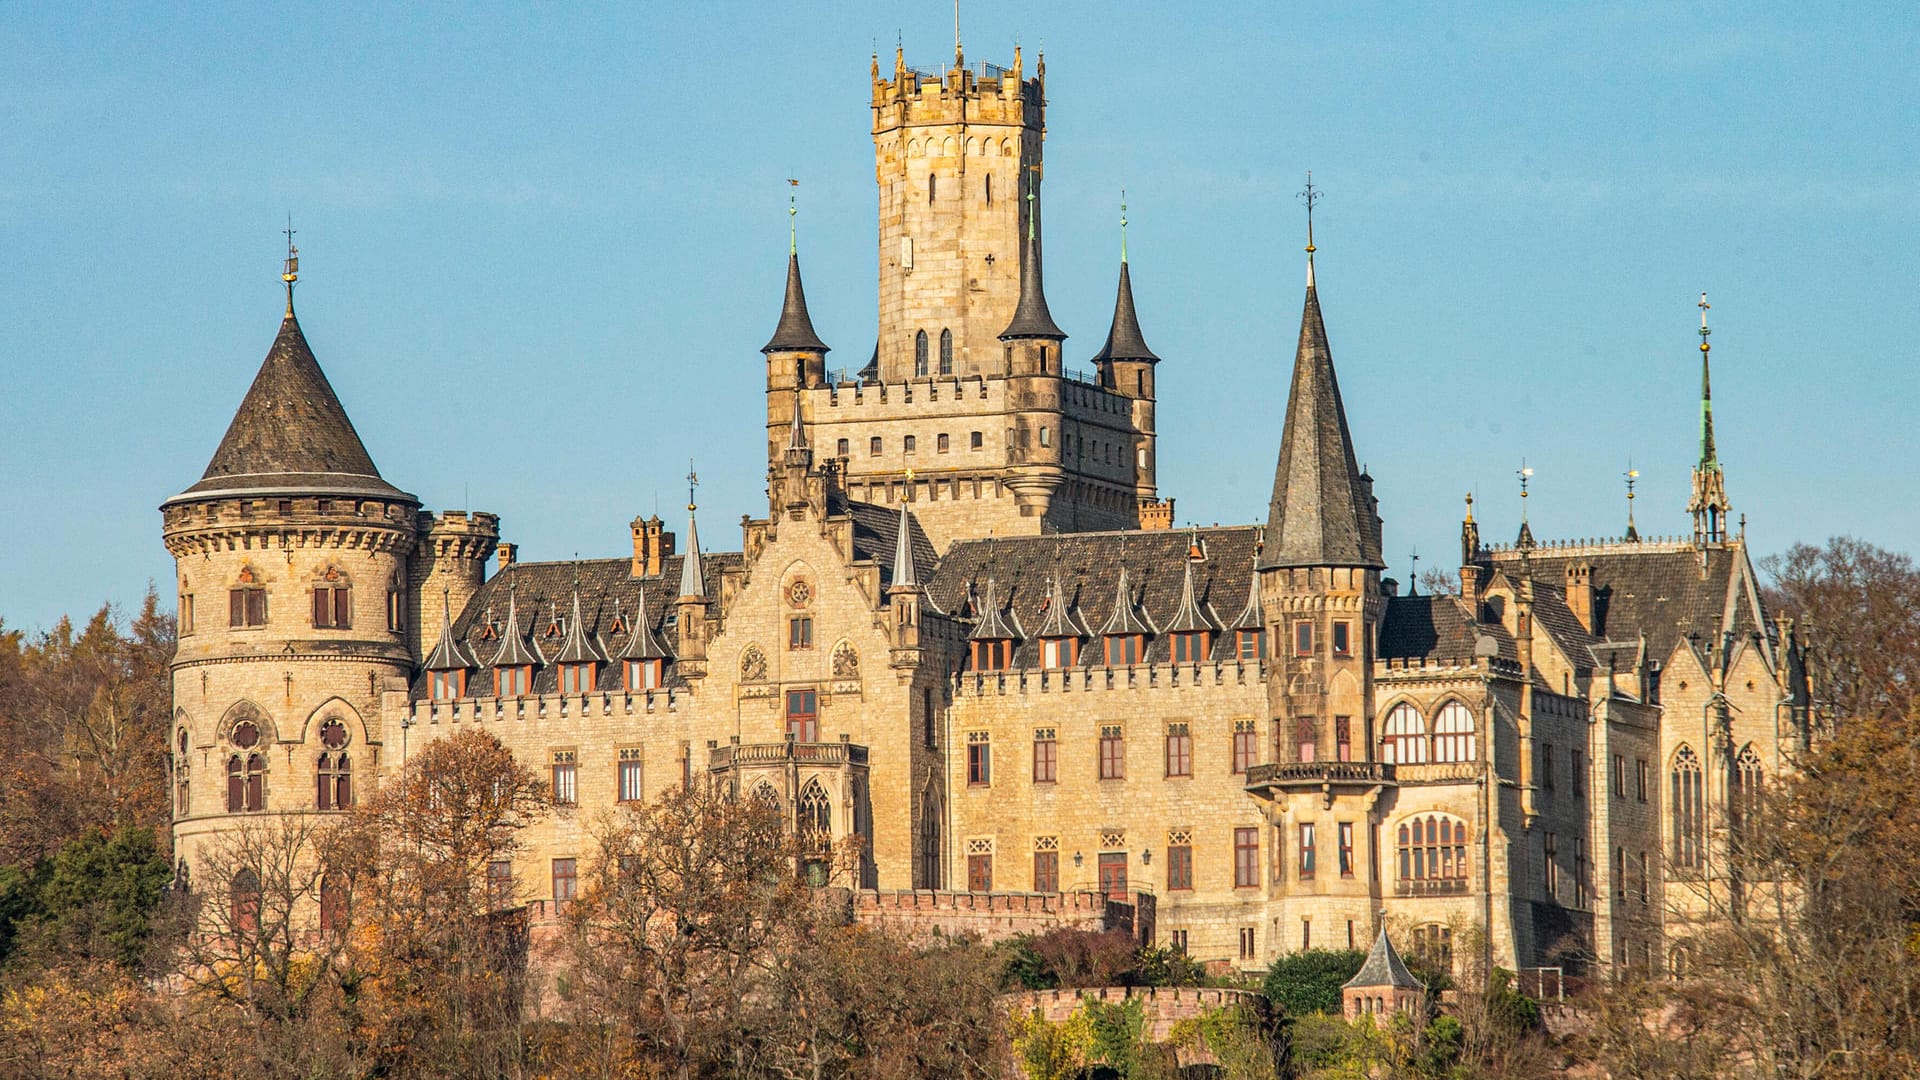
(244, 902)
(989, 189)
(920, 354)
(180, 770)
(1303, 740)
(1405, 740)
(333, 902)
(1433, 849)
(930, 877)
(816, 812)
(1689, 809)
(1744, 799)
(933, 184)
(333, 771)
(946, 352)
(1453, 733)
(764, 795)
(246, 782)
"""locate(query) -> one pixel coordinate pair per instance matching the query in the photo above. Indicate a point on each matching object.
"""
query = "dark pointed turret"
(795, 332)
(1031, 319)
(1709, 505)
(1322, 508)
(1124, 340)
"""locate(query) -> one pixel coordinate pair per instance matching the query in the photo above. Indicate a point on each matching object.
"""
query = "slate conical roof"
(641, 644)
(291, 435)
(1321, 514)
(513, 644)
(693, 578)
(1123, 338)
(1192, 616)
(1384, 968)
(579, 646)
(1124, 620)
(1061, 621)
(905, 577)
(1031, 319)
(1253, 616)
(795, 332)
(447, 654)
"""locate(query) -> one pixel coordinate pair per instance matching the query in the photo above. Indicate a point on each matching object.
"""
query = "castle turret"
(292, 559)
(1709, 505)
(796, 357)
(691, 605)
(1032, 362)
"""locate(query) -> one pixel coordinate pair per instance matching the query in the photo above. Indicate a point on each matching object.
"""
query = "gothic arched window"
(920, 354)
(1453, 733)
(946, 352)
(930, 877)
(244, 901)
(246, 778)
(1689, 809)
(1433, 847)
(1744, 799)
(816, 811)
(1405, 738)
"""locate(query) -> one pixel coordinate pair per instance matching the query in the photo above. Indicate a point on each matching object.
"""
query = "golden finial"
(290, 270)
(1525, 473)
(1704, 306)
(1310, 196)
(693, 481)
(1469, 507)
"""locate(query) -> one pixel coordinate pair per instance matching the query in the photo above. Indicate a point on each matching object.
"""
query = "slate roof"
(1031, 319)
(795, 332)
(1088, 566)
(1322, 511)
(1384, 968)
(1124, 341)
(1437, 629)
(876, 531)
(291, 435)
(530, 591)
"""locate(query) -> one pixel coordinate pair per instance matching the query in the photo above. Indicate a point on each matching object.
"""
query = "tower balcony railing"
(823, 754)
(1306, 773)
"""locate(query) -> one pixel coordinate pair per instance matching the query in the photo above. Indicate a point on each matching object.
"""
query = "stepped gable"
(290, 435)
(1650, 588)
(1437, 630)
(605, 585)
(1088, 566)
(876, 530)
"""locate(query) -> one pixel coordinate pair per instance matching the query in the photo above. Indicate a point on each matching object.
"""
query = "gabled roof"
(1124, 341)
(291, 435)
(1384, 968)
(795, 332)
(1439, 629)
(1321, 513)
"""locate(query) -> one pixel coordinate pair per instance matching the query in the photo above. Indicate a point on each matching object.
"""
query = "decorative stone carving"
(753, 665)
(846, 662)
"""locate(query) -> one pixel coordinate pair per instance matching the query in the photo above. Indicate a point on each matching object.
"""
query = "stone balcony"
(1278, 779)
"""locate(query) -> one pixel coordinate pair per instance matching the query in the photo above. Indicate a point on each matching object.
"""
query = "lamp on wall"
(1078, 858)
(1146, 856)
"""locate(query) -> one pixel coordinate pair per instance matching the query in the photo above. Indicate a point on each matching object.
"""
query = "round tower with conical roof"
(292, 562)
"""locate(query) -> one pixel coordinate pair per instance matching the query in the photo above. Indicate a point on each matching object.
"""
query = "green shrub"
(1309, 981)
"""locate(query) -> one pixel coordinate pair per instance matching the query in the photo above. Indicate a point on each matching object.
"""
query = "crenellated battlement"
(209, 526)
(1095, 679)
(981, 93)
(459, 534)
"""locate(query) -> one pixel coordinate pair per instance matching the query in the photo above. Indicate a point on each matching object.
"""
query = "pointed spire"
(513, 646)
(1709, 457)
(290, 270)
(905, 577)
(1709, 505)
(795, 332)
(579, 647)
(641, 644)
(1384, 968)
(1125, 619)
(290, 434)
(1124, 341)
(1525, 473)
(1254, 615)
(1191, 616)
(1031, 319)
(1633, 533)
(1469, 535)
(447, 654)
(693, 578)
(992, 624)
(1061, 622)
(1322, 512)
(796, 427)
(1310, 196)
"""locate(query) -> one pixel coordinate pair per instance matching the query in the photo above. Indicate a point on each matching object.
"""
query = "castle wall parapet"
(1093, 679)
(996, 916)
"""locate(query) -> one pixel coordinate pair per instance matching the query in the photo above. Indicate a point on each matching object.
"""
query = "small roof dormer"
(1126, 618)
(641, 644)
(447, 655)
(579, 647)
(1192, 616)
(1062, 620)
(995, 622)
(514, 650)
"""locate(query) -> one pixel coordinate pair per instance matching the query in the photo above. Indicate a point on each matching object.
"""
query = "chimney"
(1580, 593)
(507, 553)
(651, 546)
(1156, 516)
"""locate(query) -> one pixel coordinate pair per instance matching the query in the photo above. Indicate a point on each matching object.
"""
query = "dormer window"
(576, 678)
(447, 685)
(644, 674)
(1060, 652)
(1252, 644)
(992, 654)
(1192, 647)
(512, 681)
(1124, 650)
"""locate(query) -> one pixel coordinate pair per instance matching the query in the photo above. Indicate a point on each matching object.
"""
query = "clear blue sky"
(541, 249)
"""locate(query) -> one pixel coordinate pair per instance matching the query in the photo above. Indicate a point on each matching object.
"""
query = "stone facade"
(984, 654)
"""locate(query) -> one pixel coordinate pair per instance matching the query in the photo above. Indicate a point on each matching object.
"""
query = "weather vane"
(290, 271)
(693, 481)
(1704, 332)
(1310, 195)
(793, 210)
(1525, 473)
(1123, 224)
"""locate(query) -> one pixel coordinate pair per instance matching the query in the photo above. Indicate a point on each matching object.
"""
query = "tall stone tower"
(292, 561)
(952, 156)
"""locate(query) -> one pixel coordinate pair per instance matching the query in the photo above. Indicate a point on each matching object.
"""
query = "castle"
(966, 633)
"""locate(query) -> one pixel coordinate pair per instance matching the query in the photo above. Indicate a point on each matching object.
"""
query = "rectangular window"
(186, 613)
(1306, 851)
(1577, 772)
(1620, 775)
(1343, 738)
(644, 674)
(565, 778)
(1252, 644)
(500, 884)
(841, 449)
(1123, 650)
(396, 611)
(511, 681)
(576, 678)
(1178, 940)
(976, 441)
(1620, 873)
(630, 775)
(992, 654)
(907, 444)
(1342, 639)
(800, 632)
(1646, 872)
(1179, 750)
(1580, 882)
(1046, 871)
(1306, 933)
(1546, 766)
(247, 607)
(929, 719)
(332, 608)
(1306, 745)
(940, 443)
(1046, 760)
(447, 685)
(1303, 639)
(979, 759)
(1113, 753)
(565, 880)
(979, 873)
(1190, 648)
(1640, 778)
(873, 446)
(1346, 849)
(1246, 858)
(1113, 874)
(1245, 745)
(1246, 943)
(1553, 867)
(1179, 867)
(1059, 652)
(803, 716)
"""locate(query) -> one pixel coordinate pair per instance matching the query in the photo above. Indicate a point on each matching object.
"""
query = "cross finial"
(1310, 195)
(1704, 307)
(793, 211)
(290, 270)
(693, 481)
(1123, 224)
(1413, 575)
(1525, 472)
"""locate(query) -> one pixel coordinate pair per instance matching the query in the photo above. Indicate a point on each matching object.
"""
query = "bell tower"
(950, 150)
